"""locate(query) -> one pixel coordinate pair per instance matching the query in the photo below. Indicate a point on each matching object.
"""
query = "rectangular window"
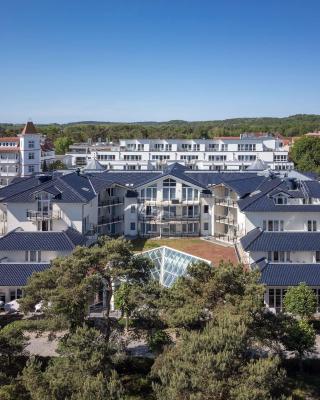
(33, 256)
(275, 256)
(31, 156)
(132, 226)
(206, 226)
(31, 168)
(31, 144)
(312, 226)
(271, 298)
(133, 209)
(205, 209)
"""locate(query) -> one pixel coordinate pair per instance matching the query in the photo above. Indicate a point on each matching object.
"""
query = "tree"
(12, 359)
(83, 370)
(67, 288)
(300, 301)
(305, 153)
(56, 165)
(191, 302)
(218, 363)
(299, 337)
(62, 143)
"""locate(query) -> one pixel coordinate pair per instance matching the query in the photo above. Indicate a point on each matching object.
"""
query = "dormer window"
(280, 199)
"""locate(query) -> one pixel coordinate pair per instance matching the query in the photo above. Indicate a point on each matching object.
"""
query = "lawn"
(197, 247)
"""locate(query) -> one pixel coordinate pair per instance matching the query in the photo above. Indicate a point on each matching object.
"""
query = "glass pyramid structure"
(169, 263)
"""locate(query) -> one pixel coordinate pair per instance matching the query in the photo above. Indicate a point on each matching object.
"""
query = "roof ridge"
(259, 195)
(71, 188)
(67, 236)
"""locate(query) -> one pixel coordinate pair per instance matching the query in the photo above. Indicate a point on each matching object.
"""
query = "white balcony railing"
(33, 215)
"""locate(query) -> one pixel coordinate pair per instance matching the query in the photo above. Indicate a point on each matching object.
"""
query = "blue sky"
(140, 60)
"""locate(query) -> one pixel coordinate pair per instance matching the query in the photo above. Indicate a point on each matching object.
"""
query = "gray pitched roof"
(290, 274)
(47, 241)
(262, 199)
(68, 188)
(257, 240)
(16, 274)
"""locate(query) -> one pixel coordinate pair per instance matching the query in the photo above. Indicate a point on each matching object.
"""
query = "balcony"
(109, 220)
(111, 202)
(226, 201)
(33, 215)
(226, 219)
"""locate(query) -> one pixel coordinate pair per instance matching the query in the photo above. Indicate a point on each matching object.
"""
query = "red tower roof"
(29, 128)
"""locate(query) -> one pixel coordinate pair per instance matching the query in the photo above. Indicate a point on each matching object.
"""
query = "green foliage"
(192, 299)
(300, 301)
(295, 125)
(55, 165)
(158, 340)
(305, 153)
(12, 343)
(84, 370)
(217, 363)
(41, 325)
(62, 143)
(67, 288)
(300, 337)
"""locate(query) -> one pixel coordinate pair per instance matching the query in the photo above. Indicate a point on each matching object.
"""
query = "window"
(206, 226)
(280, 157)
(149, 193)
(214, 146)
(31, 156)
(279, 256)
(31, 168)
(132, 226)
(205, 209)
(188, 193)
(169, 211)
(276, 297)
(190, 211)
(312, 226)
(246, 147)
(246, 158)
(131, 157)
(169, 189)
(273, 225)
(31, 144)
(133, 209)
(33, 256)
(281, 199)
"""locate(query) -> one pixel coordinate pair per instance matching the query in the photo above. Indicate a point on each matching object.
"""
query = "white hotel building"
(272, 219)
(24, 155)
(222, 153)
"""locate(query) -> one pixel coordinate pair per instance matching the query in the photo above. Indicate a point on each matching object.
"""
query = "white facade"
(24, 155)
(176, 202)
(224, 153)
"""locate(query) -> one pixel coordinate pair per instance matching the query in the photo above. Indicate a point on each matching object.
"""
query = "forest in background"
(295, 125)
